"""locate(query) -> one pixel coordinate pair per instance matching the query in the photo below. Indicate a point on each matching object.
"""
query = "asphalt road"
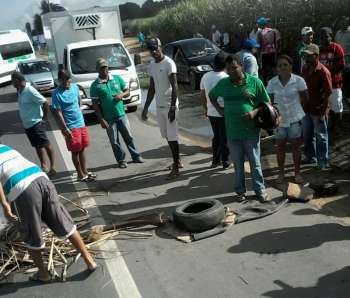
(296, 252)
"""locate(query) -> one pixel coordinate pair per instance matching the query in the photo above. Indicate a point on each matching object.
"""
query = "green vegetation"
(239, 16)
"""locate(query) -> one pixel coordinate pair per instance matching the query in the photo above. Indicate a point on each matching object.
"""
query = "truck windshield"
(83, 60)
(15, 50)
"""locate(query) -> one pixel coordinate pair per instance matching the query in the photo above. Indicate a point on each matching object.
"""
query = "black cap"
(153, 43)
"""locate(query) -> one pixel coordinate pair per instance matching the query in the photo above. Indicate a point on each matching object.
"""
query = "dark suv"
(193, 58)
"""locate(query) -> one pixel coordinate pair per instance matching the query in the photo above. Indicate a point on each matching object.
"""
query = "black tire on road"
(199, 215)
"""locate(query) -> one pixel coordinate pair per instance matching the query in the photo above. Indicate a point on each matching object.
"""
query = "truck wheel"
(199, 215)
(132, 109)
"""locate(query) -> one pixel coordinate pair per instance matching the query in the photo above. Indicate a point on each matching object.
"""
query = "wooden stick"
(60, 254)
(5, 265)
(51, 254)
(14, 254)
(136, 233)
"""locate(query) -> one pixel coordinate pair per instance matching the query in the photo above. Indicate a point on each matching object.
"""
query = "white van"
(15, 46)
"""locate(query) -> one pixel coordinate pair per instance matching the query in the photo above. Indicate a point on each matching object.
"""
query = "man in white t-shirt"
(163, 87)
(217, 121)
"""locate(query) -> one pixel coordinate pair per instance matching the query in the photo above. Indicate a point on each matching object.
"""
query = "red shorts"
(79, 141)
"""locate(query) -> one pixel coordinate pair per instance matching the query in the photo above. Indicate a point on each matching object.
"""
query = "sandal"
(92, 175)
(87, 179)
(36, 277)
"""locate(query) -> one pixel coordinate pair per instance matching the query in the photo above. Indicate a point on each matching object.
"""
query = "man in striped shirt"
(27, 195)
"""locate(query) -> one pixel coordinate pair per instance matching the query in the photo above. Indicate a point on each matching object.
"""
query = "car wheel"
(199, 215)
(132, 109)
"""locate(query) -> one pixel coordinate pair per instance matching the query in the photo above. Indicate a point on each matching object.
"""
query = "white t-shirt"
(208, 82)
(160, 73)
(287, 98)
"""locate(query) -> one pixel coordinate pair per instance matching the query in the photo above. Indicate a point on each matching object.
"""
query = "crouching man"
(27, 195)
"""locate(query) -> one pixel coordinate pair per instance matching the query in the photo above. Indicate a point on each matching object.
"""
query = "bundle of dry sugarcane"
(59, 254)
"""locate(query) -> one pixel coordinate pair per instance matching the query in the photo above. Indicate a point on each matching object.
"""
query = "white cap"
(306, 30)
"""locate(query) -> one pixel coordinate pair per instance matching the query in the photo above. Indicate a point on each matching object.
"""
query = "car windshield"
(83, 60)
(34, 67)
(199, 47)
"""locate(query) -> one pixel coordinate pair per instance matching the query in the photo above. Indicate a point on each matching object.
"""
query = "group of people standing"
(232, 95)
(307, 93)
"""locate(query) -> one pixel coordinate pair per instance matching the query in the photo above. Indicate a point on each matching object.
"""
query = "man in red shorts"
(66, 107)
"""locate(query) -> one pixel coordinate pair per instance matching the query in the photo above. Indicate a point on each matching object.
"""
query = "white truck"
(76, 39)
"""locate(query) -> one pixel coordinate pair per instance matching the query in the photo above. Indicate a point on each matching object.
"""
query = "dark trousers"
(219, 142)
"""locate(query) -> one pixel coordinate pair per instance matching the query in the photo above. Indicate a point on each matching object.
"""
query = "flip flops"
(88, 178)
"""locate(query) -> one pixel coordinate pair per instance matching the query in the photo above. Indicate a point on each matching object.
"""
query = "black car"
(193, 58)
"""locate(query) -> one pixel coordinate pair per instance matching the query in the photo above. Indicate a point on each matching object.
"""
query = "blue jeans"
(313, 127)
(249, 147)
(121, 126)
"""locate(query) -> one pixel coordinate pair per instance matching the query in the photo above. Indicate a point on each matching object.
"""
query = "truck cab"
(76, 39)
(80, 61)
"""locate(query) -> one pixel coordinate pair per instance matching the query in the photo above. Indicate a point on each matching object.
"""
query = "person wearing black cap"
(163, 86)
(332, 56)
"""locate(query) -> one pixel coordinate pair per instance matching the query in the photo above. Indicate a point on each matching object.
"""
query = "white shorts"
(336, 100)
(168, 129)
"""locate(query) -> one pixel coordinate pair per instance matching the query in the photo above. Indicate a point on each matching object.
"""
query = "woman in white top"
(287, 92)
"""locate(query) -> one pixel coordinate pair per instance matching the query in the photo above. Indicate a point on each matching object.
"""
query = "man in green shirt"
(242, 94)
(107, 93)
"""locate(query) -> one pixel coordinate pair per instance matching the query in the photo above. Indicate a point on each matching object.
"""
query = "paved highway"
(296, 252)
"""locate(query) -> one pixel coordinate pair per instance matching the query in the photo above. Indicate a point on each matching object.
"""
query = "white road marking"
(117, 268)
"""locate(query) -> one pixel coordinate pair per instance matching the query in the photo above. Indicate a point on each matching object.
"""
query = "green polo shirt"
(104, 90)
(238, 100)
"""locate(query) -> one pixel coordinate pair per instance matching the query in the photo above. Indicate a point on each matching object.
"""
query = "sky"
(15, 13)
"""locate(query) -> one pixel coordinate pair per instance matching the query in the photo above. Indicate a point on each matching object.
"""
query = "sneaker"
(214, 165)
(298, 179)
(240, 197)
(122, 164)
(138, 160)
(263, 197)
(226, 164)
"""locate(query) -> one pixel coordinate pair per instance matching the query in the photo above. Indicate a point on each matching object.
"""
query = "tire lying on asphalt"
(199, 215)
